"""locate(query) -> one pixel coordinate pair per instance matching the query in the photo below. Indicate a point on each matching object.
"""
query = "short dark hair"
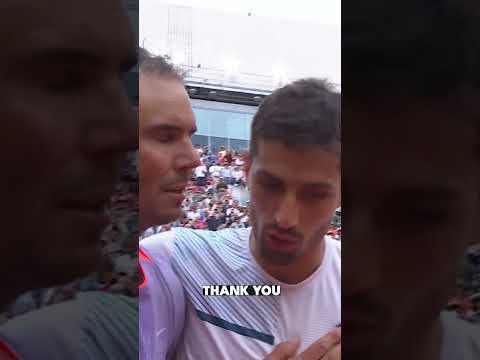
(158, 65)
(306, 112)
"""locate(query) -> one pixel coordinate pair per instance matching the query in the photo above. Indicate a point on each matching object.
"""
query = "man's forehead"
(164, 102)
(302, 165)
(408, 156)
(279, 153)
(101, 26)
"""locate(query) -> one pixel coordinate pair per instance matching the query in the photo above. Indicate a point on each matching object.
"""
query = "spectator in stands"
(227, 174)
(239, 160)
(221, 154)
(238, 175)
(199, 150)
(211, 159)
(193, 213)
(201, 175)
(222, 186)
(213, 220)
(228, 159)
(216, 171)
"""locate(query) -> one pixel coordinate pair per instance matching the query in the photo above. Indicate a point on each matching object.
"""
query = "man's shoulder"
(89, 313)
(201, 240)
(193, 247)
(159, 245)
(335, 245)
(334, 251)
(190, 243)
(461, 339)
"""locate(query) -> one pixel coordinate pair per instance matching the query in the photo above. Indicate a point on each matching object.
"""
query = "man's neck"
(433, 346)
(9, 295)
(297, 271)
(428, 347)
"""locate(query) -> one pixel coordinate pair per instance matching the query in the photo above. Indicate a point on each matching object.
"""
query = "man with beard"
(167, 159)
(292, 203)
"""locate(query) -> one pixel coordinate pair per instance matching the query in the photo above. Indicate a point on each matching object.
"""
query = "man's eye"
(166, 138)
(428, 214)
(416, 216)
(317, 195)
(270, 185)
(68, 80)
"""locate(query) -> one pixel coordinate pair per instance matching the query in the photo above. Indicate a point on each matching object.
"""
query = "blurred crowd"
(466, 301)
(216, 197)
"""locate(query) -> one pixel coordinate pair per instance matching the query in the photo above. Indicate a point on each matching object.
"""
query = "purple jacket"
(161, 306)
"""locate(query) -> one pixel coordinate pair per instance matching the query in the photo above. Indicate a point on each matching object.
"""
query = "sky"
(296, 38)
(316, 11)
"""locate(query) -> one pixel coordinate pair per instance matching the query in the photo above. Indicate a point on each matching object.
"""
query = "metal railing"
(246, 82)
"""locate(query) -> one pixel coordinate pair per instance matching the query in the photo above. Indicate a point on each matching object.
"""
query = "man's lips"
(94, 202)
(359, 320)
(177, 188)
(282, 242)
(283, 238)
(89, 204)
(92, 212)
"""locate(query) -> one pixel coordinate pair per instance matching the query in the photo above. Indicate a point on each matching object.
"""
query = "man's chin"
(165, 216)
(278, 258)
(61, 268)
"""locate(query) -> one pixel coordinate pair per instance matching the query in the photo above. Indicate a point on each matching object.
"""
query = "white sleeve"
(159, 245)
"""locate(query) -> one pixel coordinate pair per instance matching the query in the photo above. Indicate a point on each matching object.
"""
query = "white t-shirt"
(201, 171)
(237, 174)
(216, 170)
(233, 211)
(227, 172)
(193, 215)
(461, 339)
(246, 327)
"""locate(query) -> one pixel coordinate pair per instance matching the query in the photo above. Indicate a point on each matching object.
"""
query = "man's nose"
(188, 158)
(287, 215)
(368, 243)
(115, 129)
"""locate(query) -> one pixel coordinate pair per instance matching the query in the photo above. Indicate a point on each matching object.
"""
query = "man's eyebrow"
(65, 56)
(171, 127)
(77, 56)
(436, 193)
(267, 174)
(321, 184)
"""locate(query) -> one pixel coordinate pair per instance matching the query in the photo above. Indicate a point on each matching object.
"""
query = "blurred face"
(292, 202)
(408, 214)
(167, 156)
(69, 124)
